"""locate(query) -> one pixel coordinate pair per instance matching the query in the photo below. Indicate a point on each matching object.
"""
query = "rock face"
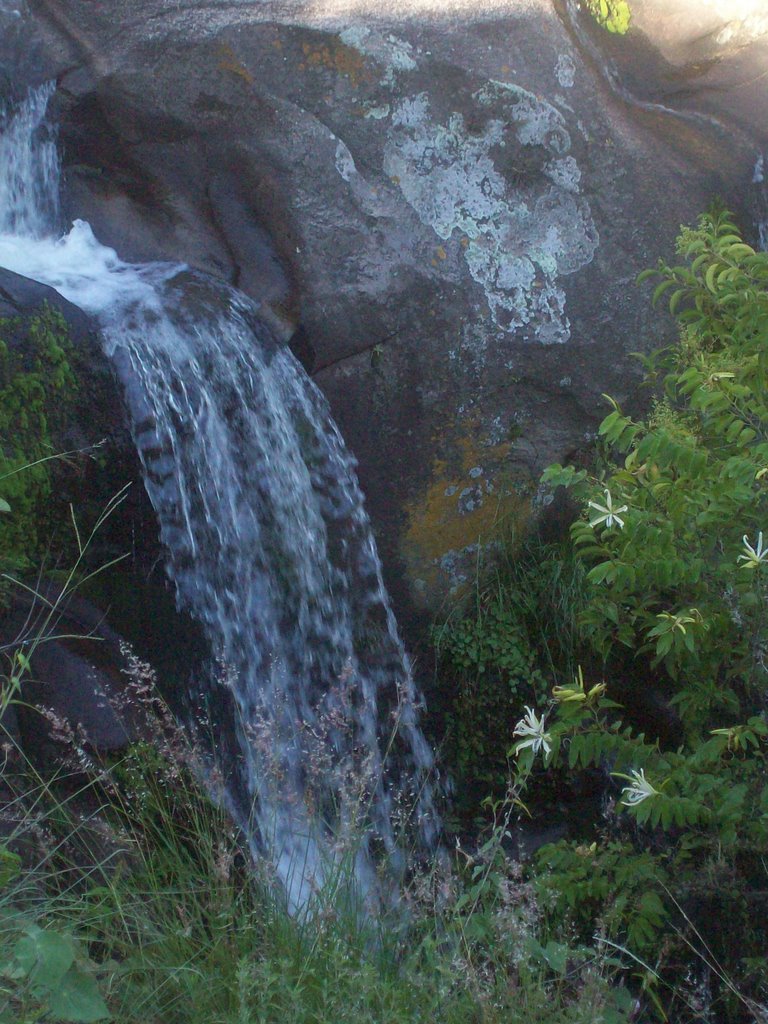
(443, 205)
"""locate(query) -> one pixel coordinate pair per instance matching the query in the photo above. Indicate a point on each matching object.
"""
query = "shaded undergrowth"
(127, 885)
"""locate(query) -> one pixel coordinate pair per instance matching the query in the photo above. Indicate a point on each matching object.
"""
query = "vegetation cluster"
(613, 15)
(649, 621)
(149, 906)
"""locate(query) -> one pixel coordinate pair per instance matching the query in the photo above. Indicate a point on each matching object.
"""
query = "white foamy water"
(268, 543)
(87, 273)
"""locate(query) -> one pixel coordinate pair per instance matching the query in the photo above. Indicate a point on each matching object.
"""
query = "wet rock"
(20, 297)
(101, 459)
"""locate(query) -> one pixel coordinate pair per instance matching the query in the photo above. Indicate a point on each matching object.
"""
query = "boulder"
(448, 202)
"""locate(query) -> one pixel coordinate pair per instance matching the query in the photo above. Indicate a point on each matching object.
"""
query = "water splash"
(268, 543)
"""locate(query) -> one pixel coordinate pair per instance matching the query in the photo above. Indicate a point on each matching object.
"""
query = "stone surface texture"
(444, 204)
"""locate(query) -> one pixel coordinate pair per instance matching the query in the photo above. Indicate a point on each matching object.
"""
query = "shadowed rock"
(74, 693)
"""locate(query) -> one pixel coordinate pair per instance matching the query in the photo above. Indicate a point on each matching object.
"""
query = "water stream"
(268, 543)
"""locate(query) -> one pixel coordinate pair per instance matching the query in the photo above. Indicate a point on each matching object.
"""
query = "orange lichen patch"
(441, 253)
(343, 60)
(466, 498)
(230, 62)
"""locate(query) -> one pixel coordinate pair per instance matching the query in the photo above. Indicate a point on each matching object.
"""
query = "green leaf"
(608, 422)
(660, 289)
(600, 573)
(556, 955)
(44, 956)
(709, 277)
(739, 250)
(77, 999)
(10, 865)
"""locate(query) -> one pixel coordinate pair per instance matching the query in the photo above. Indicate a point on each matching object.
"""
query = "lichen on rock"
(525, 227)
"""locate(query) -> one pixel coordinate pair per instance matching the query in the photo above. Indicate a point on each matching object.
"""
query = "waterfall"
(268, 543)
(29, 169)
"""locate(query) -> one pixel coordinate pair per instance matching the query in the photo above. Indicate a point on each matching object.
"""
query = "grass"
(544, 586)
(174, 921)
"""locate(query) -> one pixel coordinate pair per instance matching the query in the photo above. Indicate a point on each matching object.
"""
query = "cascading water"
(268, 544)
(29, 192)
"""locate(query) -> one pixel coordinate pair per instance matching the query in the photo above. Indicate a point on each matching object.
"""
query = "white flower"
(754, 557)
(640, 789)
(608, 514)
(533, 728)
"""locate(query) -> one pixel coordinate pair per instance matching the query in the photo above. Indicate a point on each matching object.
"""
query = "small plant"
(49, 977)
(492, 667)
(613, 15)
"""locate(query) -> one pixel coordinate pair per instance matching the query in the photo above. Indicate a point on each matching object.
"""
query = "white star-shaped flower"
(532, 727)
(608, 514)
(753, 556)
(639, 790)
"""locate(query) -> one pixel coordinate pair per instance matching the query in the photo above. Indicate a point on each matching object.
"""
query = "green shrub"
(672, 536)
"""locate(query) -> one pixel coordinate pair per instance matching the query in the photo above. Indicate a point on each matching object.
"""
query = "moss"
(37, 388)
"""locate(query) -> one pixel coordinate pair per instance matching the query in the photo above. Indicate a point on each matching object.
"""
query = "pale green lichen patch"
(345, 163)
(522, 235)
(377, 113)
(565, 71)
